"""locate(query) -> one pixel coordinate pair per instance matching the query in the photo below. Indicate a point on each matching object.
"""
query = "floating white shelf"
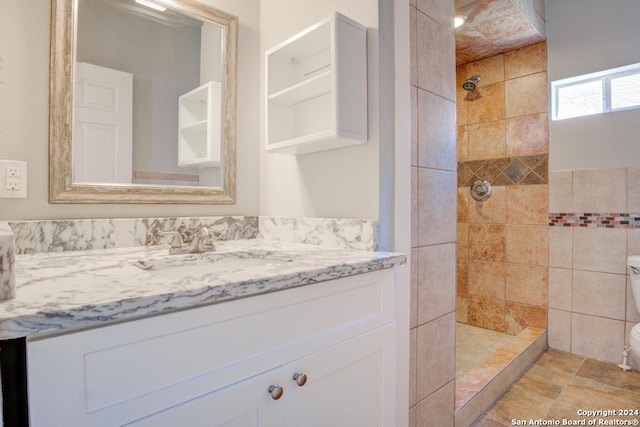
(317, 88)
(200, 131)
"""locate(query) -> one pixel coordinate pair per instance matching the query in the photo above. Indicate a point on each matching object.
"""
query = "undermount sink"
(207, 263)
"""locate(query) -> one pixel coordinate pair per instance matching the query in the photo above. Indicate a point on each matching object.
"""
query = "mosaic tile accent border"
(595, 220)
(523, 170)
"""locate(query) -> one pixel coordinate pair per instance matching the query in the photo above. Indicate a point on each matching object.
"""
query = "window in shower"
(596, 93)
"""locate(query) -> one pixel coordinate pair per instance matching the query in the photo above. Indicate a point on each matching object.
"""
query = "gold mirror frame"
(61, 186)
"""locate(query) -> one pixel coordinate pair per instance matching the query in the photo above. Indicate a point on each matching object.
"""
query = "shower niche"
(316, 84)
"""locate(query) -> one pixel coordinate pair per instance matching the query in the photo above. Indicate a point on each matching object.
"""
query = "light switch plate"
(13, 179)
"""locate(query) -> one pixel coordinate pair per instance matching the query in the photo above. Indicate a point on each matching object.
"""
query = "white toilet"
(633, 262)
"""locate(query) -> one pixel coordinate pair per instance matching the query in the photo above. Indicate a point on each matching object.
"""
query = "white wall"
(585, 36)
(24, 86)
(335, 183)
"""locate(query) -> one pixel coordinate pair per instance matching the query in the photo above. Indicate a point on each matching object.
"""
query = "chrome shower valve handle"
(480, 190)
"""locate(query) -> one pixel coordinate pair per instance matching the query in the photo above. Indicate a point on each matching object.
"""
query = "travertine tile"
(436, 410)
(526, 95)
(436, 132)
(488, 422)
(521, 401)
(527, 244)
(437, 201)
(491, 211)
(487, 279)
(599, 294)
(561, 410)
(462, 275)
(560, 247)
(528, 204)
(544, 381)
(600, 249)
(560, 362)
(461, 308)
(463, 204)
(519, 316)
(486, 313)
(461, 105)
(527, 135)
(597, 337)
(435, 355)
(487, 242)
(527, 60)
(490, 70)
(466, 414)
(527, 284)
(462, 143)
(489, 106)
(610, 374)
(436, 281)
(561, 192)
(462, 250)
(585, 393)
(560, 288)
(487, 140)
(600, 190)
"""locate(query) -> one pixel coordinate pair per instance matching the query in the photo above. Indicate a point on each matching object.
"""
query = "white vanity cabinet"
(226, 364)
(316, 84)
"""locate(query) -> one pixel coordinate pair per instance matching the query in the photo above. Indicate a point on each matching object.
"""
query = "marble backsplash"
(7, 265)
(86, 234)
(360, 234)
(90, 234)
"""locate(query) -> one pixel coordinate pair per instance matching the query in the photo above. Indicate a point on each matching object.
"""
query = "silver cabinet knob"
(300, 379)
(276, 392)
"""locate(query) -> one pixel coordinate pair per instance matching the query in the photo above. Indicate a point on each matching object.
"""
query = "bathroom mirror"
(142, 102)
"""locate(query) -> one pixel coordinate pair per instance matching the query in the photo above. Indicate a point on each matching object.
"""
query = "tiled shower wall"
(502, 242)
(433, 168)
(591, 307)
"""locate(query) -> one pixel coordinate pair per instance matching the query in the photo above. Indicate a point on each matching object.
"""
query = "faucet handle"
(176, 242)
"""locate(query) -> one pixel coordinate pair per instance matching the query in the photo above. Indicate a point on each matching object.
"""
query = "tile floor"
(559, 385)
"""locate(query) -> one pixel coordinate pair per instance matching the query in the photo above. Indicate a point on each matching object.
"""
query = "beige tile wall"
(433, 221)
(503, 247)
(591, 307)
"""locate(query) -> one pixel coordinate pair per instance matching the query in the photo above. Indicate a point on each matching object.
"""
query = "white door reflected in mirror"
(103, 126)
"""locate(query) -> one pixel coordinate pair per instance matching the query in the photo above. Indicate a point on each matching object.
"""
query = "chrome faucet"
(202, 242)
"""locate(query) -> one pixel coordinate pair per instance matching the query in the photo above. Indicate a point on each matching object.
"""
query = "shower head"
(471, 83)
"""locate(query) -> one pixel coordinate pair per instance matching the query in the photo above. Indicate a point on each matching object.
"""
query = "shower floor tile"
(474, 345)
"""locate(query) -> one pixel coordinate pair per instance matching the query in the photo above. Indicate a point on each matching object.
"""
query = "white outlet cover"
(13, 174)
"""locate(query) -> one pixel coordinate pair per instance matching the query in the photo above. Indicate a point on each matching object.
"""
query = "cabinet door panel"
(350, 384)
(246, 404)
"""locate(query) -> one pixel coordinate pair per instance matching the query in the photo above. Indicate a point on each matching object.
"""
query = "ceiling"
(496, 26)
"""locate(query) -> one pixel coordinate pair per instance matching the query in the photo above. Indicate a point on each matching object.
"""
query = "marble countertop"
(60, 292)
